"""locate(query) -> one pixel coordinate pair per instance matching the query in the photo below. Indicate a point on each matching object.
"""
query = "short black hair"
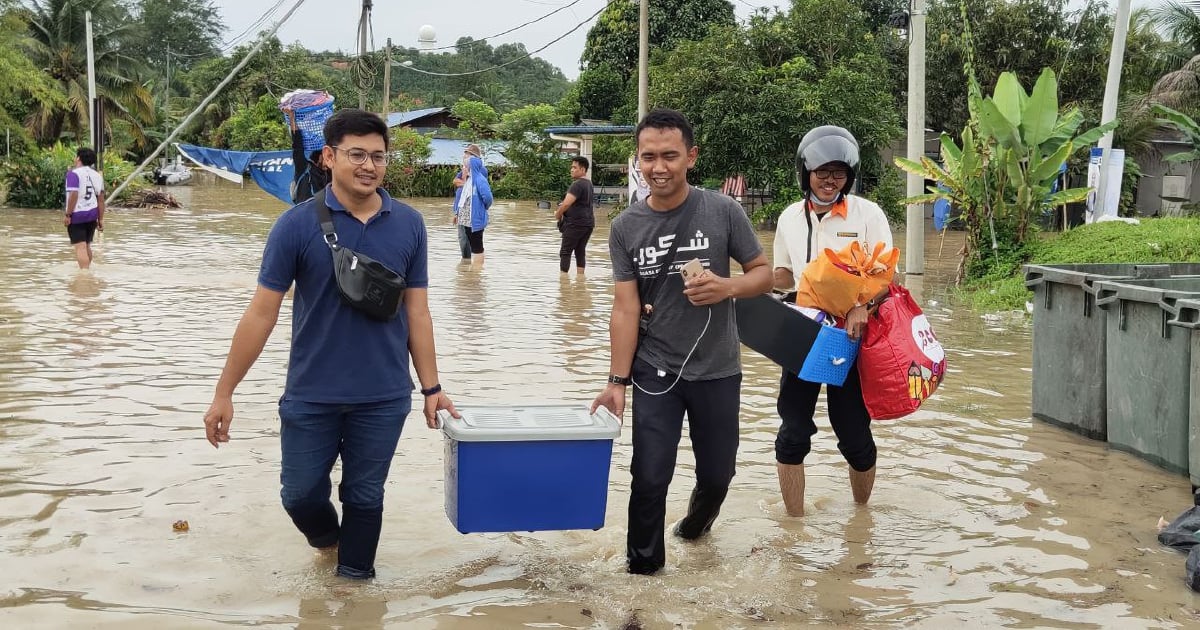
(354, 122)
(663, 118)
(86, 156)
(582, 161)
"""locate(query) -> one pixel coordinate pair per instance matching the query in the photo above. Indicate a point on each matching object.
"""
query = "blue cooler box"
(528, 468)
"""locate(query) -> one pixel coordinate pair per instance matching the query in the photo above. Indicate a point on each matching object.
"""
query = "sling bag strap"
(325, 219)
(656, 284)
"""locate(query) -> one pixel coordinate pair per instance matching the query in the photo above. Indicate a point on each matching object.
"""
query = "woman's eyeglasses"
(359, 156)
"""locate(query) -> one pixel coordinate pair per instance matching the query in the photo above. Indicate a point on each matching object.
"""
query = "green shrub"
(38, 178)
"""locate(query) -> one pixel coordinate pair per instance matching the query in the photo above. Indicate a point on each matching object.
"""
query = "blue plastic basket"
(311, 122)
(831, 357)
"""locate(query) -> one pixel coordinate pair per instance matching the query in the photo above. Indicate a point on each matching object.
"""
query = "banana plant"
(1187, 126)
(1014, 146)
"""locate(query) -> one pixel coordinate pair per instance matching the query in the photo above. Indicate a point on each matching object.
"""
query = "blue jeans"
(312, 436)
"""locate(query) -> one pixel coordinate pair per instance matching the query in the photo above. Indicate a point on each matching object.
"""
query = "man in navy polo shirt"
(348, 385)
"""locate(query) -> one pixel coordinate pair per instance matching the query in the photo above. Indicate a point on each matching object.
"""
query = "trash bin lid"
(497, 423)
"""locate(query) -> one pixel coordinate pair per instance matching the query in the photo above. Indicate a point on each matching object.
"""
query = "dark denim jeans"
(464, 242)
(313, 436)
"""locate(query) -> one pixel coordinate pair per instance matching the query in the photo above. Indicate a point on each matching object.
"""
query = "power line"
(515, 28)
(512, 61)
(229, 44)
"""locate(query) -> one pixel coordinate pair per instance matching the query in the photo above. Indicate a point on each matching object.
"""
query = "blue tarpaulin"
(271, 170)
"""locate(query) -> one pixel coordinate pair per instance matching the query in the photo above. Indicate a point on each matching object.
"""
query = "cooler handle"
(603, 411)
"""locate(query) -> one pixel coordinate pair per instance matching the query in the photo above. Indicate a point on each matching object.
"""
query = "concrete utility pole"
(363, 23)
(1108, 110)
(914, 258)
(387, 77)
(91, 70)
(643, 57)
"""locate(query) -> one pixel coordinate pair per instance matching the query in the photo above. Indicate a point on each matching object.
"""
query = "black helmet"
(823, 145)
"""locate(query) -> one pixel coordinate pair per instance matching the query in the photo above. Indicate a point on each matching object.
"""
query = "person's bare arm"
(622, 340)
(72, 199)
(422, 348)
(710, 288)
(100, 210)
(784, 279)
(248, 341)
(564, 205)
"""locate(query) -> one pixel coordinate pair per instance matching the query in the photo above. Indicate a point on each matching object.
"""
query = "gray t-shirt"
(638, 243)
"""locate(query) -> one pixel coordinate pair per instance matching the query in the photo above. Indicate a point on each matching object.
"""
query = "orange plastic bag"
(837, 281)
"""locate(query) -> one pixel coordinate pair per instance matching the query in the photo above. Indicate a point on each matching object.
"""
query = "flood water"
(981, 517)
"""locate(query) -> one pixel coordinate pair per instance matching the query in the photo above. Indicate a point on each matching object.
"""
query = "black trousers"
(847, 414)
(712, 412)
(574, 241)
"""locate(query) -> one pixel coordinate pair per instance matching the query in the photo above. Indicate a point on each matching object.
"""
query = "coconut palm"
(58, 45)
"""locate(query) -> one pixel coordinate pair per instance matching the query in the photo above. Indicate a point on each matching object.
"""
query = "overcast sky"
(333, 24)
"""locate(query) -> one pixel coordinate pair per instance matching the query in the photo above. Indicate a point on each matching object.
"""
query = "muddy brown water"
(981, 517)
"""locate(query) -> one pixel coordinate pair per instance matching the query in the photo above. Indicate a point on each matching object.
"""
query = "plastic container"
(1069, 373)
(776, 330)
(527, 468)
(831, 357)
(1188, 319)
(1147, 363)
(311, 120)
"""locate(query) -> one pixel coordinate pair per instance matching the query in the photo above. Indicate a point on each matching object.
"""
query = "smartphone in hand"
(691, 270)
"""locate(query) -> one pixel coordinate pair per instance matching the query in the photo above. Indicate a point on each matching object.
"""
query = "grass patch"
(1154, 240)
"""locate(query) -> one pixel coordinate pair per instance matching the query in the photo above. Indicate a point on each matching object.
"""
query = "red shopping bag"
(900, 361)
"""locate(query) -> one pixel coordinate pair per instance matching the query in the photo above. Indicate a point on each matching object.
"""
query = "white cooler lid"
(530, 422)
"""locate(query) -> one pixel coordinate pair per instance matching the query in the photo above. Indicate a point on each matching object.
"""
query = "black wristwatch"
(432, 390)
(620, 380)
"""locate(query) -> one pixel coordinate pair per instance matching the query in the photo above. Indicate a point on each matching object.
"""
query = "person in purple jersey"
(348, 386)
(85, 205)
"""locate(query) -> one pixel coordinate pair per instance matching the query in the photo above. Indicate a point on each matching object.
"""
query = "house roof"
(449, 152)
(395, 119)
(596, 130)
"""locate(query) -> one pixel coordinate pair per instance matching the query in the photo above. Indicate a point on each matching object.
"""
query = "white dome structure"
(426, 37)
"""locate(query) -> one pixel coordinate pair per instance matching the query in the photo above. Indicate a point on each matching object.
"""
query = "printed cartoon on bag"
(924, 380)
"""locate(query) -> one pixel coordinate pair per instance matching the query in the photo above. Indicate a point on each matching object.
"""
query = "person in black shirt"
(575, 218)
(310, 174)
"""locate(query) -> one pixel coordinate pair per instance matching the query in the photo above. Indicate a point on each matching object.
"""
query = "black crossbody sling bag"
(363, 282)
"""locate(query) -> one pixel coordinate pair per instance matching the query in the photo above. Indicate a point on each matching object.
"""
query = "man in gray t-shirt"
(676, 342)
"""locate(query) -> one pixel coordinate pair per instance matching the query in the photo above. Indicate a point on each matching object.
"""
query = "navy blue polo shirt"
(339, 355)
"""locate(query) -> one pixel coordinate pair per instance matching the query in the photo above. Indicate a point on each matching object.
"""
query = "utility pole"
(1108, 110)
(914, 259)
(387, 77)
(643, 57)
(363, 23)
(91, 71)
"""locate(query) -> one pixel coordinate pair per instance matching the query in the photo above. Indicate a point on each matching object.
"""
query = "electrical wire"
(512, 61)
(229, 44)
(685, 361)
(515, 28)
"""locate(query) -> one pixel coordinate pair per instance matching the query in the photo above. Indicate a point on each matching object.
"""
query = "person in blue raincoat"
(472, 203)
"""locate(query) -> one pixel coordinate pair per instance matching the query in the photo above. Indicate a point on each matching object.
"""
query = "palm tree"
(58, 45)
(1180, 20)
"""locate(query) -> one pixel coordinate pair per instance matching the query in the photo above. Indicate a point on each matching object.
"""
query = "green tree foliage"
(524, 81)
(613, 41)
(258, 128)
(539, 171)
(602, 89)
(410, 151)
(187, 30)
(37, 179)
(23, 87)
(752, 92)
(273, 72)
(57, 43)
(475, 119)
(1018, 36)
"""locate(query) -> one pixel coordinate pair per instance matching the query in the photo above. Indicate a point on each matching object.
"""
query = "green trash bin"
(1188, 318)
(1148, 362)
(1068, 339)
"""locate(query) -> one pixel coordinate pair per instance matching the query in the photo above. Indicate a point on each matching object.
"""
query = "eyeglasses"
(359, 156)
(826, 174)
